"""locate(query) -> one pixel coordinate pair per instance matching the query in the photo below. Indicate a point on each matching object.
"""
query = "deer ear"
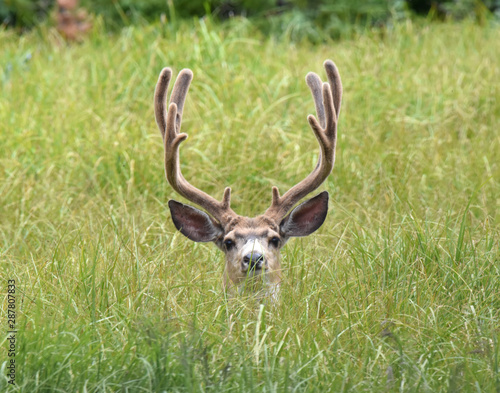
(307, 217)
(196, 225)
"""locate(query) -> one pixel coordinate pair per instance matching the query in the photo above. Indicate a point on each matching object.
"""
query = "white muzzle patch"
(252, 247)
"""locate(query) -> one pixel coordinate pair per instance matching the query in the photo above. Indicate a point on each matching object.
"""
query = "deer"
(251, 244)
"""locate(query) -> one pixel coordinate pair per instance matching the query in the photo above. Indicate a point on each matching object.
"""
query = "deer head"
(251, 245)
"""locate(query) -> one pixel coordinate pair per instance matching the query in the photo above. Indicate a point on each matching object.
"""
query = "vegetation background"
(398, 291)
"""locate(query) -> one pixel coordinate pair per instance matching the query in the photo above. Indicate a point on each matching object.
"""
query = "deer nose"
(254, 260)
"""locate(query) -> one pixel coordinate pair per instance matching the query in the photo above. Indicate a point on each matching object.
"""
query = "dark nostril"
(253, 259)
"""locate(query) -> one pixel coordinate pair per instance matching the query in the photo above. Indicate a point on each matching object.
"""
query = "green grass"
(398, 291)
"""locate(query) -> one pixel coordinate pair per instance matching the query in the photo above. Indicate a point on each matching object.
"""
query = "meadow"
(399, 290)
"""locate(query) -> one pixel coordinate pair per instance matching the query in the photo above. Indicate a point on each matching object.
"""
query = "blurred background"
(314, 20)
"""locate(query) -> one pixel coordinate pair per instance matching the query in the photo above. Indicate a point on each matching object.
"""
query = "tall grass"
(398, 291)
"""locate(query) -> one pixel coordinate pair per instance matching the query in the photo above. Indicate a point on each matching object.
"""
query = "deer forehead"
(245, 228)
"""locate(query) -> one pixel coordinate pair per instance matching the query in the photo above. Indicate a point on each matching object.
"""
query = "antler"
(327, 99)
(169, 124)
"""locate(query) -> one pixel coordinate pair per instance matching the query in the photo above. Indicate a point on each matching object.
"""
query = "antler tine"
(333, 76)
(169, 123)
(160, 101)
(315, 85)
(327, 98)
(179, 93)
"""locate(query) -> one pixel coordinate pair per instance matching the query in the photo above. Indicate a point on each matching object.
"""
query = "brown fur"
(241, 229)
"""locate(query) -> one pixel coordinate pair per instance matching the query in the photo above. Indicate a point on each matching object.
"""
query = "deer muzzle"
(253, 259)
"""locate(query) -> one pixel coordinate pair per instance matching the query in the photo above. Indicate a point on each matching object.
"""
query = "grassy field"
(398, 291)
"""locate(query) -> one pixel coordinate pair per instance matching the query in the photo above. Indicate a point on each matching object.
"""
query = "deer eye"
(229, 244)
(275, 241)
